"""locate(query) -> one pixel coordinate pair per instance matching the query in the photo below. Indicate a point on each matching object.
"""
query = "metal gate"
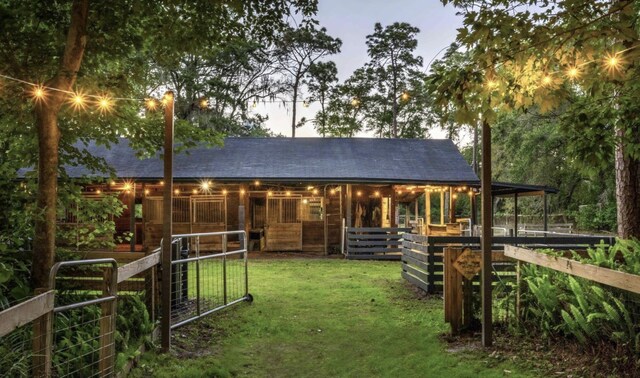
(283, 229)
(202, 284)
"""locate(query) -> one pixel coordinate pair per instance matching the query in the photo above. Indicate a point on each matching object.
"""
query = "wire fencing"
(206, 281)
(96, 316)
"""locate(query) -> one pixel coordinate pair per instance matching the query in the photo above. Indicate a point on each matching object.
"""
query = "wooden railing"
(374, 243)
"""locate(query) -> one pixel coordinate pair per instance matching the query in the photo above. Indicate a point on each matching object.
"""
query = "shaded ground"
(326, 318)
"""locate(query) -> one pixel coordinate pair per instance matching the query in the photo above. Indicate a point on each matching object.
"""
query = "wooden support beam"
(486, 240)
(393, 209)
(515, 214)
(442, 208)
(348, 204)
(167, 220)
(132, 218)
(452, 206)
(545, 209)
(427, 211)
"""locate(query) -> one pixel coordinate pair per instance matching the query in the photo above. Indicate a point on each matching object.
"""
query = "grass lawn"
(323, 318)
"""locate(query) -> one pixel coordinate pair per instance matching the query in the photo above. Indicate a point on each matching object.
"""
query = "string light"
(256, 183)
(194, 191)
(332, 191)
(358, 193)
(355, 102)
(176, 191)
(305, 104)
(98, 191)
(205, 185)
(151, 103)
(242, 191)
(204, 103)
(147, 191)
(405, 96)
(377, 193)
(288, 193)
(546, 80)
(573, 72)
(104, 104)
(492, 84)
(38, 93)
(269, 193)
(255, 104)
(78, 101)
(315, 192)
(613, 62)
(224, 192)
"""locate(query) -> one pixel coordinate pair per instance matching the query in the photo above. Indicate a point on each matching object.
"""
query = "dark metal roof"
(507, 188)
(363, 160)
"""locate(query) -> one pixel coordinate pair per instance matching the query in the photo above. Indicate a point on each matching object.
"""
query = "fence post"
(431, 259)
(198, 310)
(108, 322)
(224, 267)
(246, 266)
(42, 342)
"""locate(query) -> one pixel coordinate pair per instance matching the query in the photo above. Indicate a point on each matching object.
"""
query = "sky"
(352, 21)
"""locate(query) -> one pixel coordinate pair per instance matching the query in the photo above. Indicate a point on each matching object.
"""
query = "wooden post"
(515, 214)
(241, 226)
(165, 324)
(417, 210)
(42, 342)
(132, 217)
(393, 209)
(107, 326)
(442, 207)
(452, 206)
(452, 281)
(486, 240)
(427, 211)
(474, 212)
(325, 223)
(545, 210)
(348, 205)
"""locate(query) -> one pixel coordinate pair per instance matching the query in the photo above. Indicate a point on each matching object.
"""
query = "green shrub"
(559, 304)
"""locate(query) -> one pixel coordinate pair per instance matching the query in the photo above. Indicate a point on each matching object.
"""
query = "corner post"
(486, 241)
(165, 324)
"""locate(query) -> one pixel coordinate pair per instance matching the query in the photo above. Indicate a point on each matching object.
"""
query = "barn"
(293, 194)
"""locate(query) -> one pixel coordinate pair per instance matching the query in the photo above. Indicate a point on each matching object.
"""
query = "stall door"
(283, 229)
(209, 214)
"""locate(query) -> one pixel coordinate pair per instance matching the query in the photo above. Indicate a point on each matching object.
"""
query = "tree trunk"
(293, 110)
(627, 190)
(48, 142)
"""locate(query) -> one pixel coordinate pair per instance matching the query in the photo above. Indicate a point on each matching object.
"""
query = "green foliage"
(14, 278)
(557, 303)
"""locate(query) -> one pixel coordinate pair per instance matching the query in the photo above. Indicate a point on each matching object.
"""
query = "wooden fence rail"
(610, 277)
(42, 306)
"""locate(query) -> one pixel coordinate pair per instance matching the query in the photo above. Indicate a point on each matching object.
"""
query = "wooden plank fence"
(422, 256)
(374, 243)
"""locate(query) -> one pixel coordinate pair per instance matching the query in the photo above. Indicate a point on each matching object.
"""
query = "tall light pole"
(165, 324)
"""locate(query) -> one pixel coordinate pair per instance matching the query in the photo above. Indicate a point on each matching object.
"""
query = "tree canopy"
(550, 55)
